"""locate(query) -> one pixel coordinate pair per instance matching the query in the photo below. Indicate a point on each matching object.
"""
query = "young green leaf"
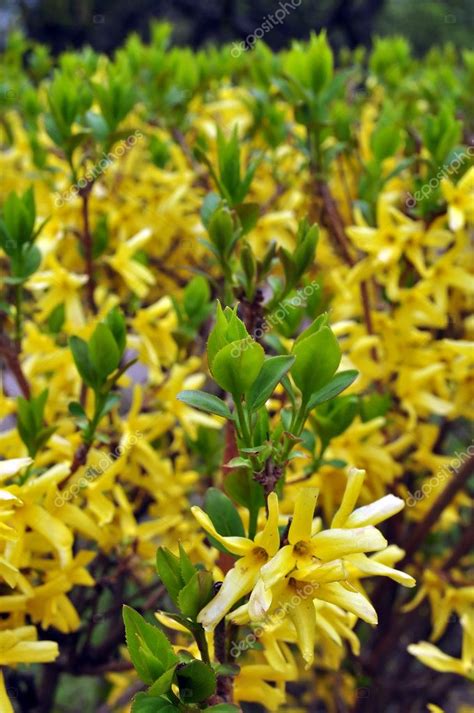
(168, 567)
(317, 358)
(205, 402)
(337, 384)
(196, 682)
(150, 650)
(80, 353)
(273, 370)
(236, 366)
(103, 350)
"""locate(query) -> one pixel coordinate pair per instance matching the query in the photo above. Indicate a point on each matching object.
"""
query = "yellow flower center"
(301, 548)
(260, 554)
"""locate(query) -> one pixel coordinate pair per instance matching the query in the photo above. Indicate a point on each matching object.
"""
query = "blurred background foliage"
(104, 24)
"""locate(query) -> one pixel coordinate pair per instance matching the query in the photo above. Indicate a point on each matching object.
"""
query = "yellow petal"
(355, 480)
(238, 581)
(354, 602)
(333, 544)
(236, 545)
(334, 571)
(303, 616)
(52, 530)
(12, 466)
(269, 539)
(368, 566)
(376, 512)
(279, 566)
(433, 657)
(300, 528)
(260, 601)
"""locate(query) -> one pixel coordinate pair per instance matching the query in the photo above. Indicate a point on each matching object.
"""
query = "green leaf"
(163, 683)
(272, 372)
(196, 594)
(116, 323)
(239, 462)
(168, 567)
(223, 708)
(248, 215)
(196, 682)
(374, 405)
(384, 141)
(337, 384)
(31, 260)
(143, 703)
(80, 353)
(224, 516)
(103, 350)
(76, 410)
(186, 567)
(205, 402)
(319, 323)
(317, 358)
(209, 206)
(150, 650)
(196, 295)
(244, 490)
(236, 366)
(221, 231)
(56, 318)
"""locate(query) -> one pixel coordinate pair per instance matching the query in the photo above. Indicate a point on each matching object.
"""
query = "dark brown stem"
(10, 354)
(456, 483)
(88, 248)
(48, 686)
(464, 546)
(335, 225)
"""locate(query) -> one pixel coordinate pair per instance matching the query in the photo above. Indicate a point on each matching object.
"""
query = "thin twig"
(10, 355)
(88, 247)
(456, 483)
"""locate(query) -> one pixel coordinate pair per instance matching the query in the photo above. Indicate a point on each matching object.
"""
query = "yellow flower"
(21, 646)
(460, 199)
(60, 287)
(305, 549)
(241, 579)
(135, 275)
(432, 656)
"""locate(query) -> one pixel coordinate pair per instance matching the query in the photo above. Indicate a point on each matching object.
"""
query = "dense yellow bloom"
(242, 578)
(59, 286)
(460, 199)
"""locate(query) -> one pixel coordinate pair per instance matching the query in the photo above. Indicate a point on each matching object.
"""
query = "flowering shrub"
(233, 351)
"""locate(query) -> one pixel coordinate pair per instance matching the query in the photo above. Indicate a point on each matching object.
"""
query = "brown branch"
(10, 354)
(463, 547)
(458, 480)
(88, 246)
(335, 225)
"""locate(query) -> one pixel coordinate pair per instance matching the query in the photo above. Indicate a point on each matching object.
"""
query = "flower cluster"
(267, 445)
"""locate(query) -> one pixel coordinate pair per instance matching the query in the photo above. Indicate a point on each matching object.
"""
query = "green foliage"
(97, 362)
(30, 422)
(18, 235)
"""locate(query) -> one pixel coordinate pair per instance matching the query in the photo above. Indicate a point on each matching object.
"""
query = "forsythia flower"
(241, 579)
